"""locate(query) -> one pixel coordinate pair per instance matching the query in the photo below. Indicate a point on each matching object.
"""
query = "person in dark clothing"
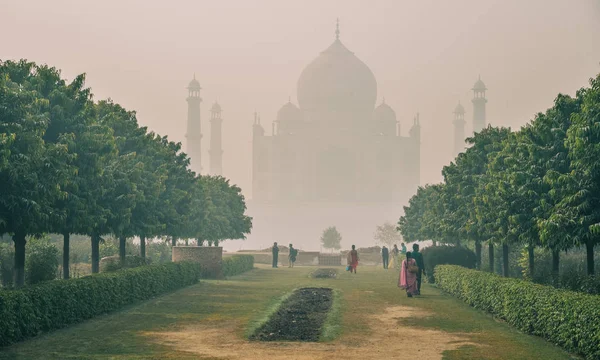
(419, 259)
(385, 254)
(275, 251)
(292, 256)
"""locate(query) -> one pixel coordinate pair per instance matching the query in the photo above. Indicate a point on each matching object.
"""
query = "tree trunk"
(95, 253)
(505, 260)
(143, 246)
(173, 241)
(198, 242)
(19, 240)
(491, 256)
(530, 252)
(66, 254)
(555, 262)
(478, 254)
(589, 247)
(122, 246)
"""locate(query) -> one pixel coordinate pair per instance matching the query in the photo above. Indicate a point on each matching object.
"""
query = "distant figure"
(419, 259)
(395, 262)
(385, 254)
(352, 259)
(292, 256)
(403, 248)
(408, 276)
(275, 251)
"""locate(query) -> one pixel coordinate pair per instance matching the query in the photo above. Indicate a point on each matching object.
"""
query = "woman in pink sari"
(408, 275)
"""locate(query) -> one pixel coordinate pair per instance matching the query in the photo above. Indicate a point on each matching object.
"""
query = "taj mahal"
(335, 159)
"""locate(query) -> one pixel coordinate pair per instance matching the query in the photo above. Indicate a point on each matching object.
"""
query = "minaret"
(479, 102)
(459, 129)
(194, 131)
(258, 191)
(415, 135)
(216, 148)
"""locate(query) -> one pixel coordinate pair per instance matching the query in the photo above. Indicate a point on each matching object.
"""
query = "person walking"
(385, 254)
(408, 276)
(275, 251)
(292, 256)
(403, 247)
(395, 263)
(352, 259)
(421, 264)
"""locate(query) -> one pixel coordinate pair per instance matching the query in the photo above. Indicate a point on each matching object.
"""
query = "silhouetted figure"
(419, 259)
(275, 251)
(292, 256)
(385, 255)
(395, 263)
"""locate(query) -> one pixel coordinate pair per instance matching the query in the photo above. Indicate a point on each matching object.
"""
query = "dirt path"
(388, 337)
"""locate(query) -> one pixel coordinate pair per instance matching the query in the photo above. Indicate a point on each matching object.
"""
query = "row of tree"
(538, 187)
(69, 165)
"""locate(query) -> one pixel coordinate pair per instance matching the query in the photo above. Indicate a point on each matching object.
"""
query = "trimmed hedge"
(446, 254)
(568, 319)
(237, 264)
(36, 309)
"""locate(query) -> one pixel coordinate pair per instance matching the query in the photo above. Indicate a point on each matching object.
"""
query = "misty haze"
(299, 180)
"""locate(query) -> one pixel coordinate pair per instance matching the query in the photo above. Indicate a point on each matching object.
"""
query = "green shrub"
(41, 261)
(446, 254)
(237, 264)
(568, 319)
(7, 264)
(113, 263)
(36, 309)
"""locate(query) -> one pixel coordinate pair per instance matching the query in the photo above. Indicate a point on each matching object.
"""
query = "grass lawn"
(210, 320)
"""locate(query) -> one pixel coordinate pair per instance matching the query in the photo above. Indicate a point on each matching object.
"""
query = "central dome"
(337, 81)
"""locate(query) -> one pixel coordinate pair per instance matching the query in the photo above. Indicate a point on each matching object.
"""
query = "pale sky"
(248, 55)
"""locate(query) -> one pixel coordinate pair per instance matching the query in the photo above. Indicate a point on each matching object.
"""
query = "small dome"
(194, 84)
(289, 112)
(384, 113)
(459, 109)
(216, 107)
(479, 85)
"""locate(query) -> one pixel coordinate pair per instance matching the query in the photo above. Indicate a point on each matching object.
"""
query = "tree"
(331, 238)
(387, 234)
(582, 203)
(36, 171)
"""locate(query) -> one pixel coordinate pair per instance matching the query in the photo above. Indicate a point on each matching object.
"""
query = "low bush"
(237, 264)
(568, 319)
(36, 309)
(113, 263)
(446, 254)
(7, 264)
(41, 262)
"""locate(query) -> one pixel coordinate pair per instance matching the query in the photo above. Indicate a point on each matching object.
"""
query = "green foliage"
(41, 262)
(53, 305)
(445, 254)
(7, 264)
(331, 238)
(565, 318)
(237, 264)
(113, 263)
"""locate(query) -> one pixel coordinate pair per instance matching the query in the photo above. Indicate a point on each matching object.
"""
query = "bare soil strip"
(388, 339)
(299, 318)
